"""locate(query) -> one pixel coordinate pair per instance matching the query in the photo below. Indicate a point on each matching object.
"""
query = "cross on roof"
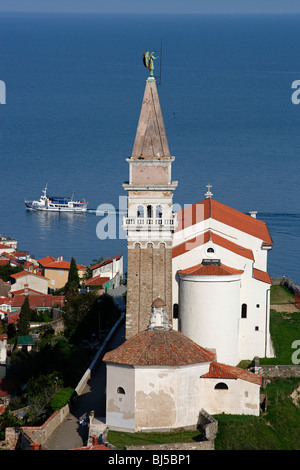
(208, 193)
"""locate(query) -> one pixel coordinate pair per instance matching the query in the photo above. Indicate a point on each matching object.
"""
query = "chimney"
(253, 214)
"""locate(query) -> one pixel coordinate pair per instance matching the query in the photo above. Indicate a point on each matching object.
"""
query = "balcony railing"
(146, 223)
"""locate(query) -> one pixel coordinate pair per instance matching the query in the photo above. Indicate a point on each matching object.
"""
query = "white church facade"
(221, 287)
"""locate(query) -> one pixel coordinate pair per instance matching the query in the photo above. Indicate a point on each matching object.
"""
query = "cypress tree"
(24, 318)
(73, 283)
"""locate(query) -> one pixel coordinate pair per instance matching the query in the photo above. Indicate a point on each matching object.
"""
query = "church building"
(208, 261)
(198, 298)
(221, 287)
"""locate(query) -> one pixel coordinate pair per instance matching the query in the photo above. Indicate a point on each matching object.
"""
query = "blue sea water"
(74, 89)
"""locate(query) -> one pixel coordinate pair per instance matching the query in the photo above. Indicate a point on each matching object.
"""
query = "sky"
(153, 6)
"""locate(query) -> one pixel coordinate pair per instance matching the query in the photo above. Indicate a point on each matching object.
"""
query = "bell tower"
(150, 222)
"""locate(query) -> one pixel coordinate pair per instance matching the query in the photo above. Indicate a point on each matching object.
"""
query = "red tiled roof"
(44, 261)
(13, 317)
(159, 348)
(210, 270)
(3, 262)
(6, 387)
(96, 281)
(62, 265)
(261, 276)
(22, 292)
(26, 273)
(37, 300)
(224, 371)
(217, 239)
(107, 261)
(3, 247)
(225, 214)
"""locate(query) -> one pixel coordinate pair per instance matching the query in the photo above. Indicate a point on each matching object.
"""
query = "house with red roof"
(26, 279)
(57, 271)
(108, 273)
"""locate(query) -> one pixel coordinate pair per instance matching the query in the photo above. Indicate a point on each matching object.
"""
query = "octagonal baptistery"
(153, 381)
(209, 308)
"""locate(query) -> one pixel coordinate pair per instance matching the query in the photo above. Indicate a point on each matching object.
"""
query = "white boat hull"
(48, 204)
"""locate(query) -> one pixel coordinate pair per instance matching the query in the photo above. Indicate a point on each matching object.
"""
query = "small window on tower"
(210, 250)
(121, 390)
(244, 311)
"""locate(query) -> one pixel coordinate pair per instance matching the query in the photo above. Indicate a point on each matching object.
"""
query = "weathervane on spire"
(148, 60)
(208, 192)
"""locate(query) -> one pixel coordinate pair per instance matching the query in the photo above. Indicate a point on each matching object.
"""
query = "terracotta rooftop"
(26, 273)
(216, 210)
(47, 260)
(224, 371)
(159, 348)
(107, 261)
(96, 281)
(37, 300)
(58, 264)
(217, 239)
(262, 276)
(210, 270)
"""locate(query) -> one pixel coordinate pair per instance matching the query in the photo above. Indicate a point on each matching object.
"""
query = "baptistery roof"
(159, 347)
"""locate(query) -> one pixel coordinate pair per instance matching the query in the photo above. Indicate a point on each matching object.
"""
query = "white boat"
(56, 204)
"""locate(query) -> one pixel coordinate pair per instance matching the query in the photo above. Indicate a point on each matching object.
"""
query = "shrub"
(61, 398)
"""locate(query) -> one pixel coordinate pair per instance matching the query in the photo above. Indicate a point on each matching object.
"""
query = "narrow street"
(70, 434)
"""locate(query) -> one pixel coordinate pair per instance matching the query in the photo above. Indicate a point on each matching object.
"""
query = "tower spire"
(151, 139)
(150, 221)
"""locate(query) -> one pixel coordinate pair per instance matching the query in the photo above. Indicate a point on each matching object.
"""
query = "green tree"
(73, 283)
(76, 312)
(8, 420)
(109, 312)
(24, 318)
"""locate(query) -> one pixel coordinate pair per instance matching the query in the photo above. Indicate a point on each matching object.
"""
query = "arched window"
(175, 311)
(149, 212)
(210, 250)
(244, 311)
(140, 211)
(221, 386)
(121, 390)
(159, 211)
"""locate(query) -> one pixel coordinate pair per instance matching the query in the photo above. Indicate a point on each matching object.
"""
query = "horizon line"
(150, 13)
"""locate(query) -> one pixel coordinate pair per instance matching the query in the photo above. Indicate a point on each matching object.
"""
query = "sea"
(72, 90)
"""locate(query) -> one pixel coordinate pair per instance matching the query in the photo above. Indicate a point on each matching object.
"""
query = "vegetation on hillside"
(45, 377)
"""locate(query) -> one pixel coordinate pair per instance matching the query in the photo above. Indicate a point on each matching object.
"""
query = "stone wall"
(23, 437)
(276, 371)
(207, 424)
